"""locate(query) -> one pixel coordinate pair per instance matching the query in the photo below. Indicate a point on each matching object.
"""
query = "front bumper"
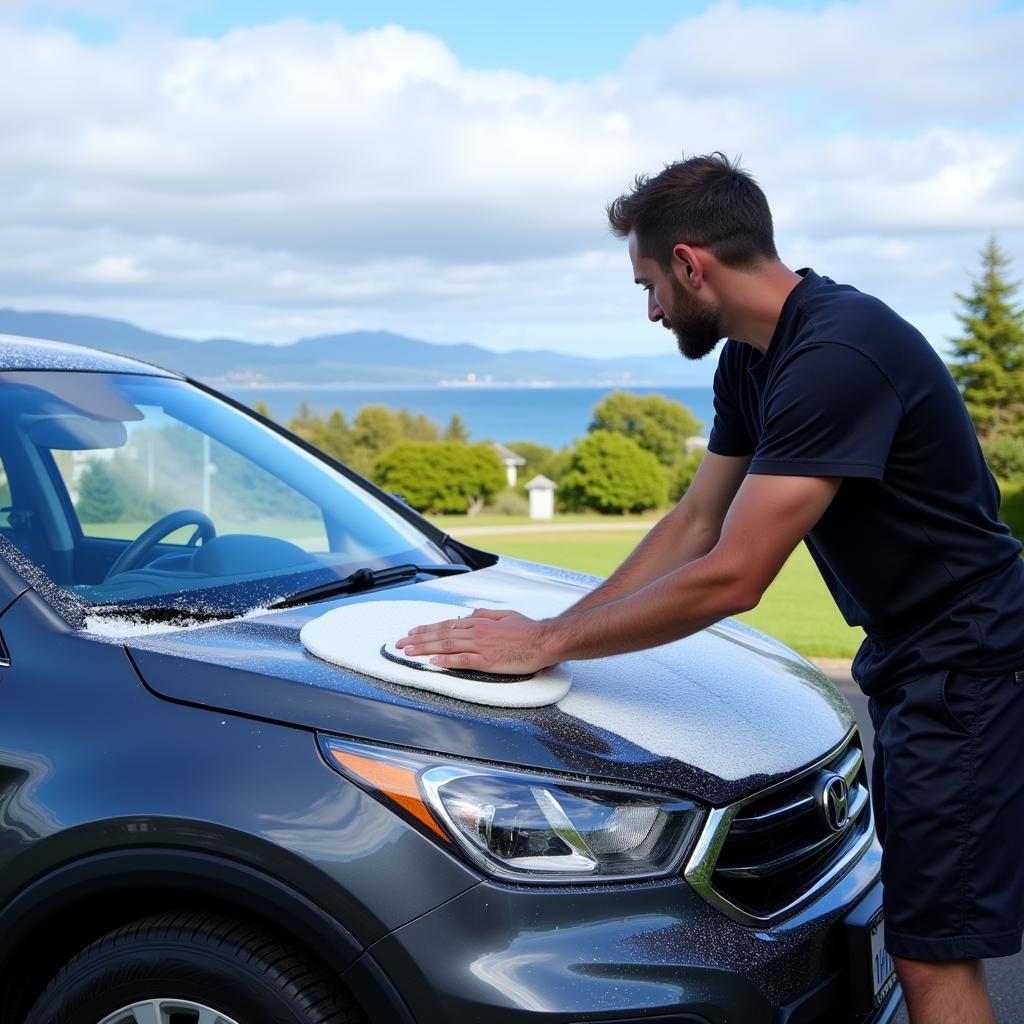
(502, 954)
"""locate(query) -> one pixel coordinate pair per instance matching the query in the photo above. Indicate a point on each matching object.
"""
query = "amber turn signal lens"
(397, 784)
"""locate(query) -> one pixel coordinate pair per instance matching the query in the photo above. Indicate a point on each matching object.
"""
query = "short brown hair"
(707, 201)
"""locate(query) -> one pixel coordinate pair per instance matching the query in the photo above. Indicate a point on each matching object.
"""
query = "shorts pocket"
(958, 700)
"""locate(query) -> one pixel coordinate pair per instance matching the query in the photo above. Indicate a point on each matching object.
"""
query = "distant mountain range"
(358, 357)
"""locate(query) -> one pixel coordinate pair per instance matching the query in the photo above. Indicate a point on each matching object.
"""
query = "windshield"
(134, 490)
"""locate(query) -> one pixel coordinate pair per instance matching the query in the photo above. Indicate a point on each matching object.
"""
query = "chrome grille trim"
(769, 867)
(701, 866)
(773, 818)
(850, 764)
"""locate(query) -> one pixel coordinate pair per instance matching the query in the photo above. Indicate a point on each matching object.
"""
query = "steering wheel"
(136, 552)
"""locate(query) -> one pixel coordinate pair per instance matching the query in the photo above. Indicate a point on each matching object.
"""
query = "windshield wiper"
(366, 579)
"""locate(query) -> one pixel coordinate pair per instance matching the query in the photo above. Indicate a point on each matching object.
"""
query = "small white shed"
(542, 497)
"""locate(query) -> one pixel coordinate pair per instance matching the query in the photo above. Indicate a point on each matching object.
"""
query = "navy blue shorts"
(948, 793)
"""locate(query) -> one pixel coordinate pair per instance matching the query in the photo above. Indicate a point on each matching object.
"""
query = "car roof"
(17, 353)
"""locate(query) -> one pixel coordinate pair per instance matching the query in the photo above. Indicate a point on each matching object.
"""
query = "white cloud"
(879, 61)
(114, 270)
(297, 178)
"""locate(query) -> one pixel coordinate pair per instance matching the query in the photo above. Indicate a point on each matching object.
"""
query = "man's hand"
(486, 641)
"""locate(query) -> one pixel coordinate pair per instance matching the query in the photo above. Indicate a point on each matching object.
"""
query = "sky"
(271, 171)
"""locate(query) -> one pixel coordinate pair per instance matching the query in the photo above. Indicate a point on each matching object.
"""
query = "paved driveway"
(1006, 975)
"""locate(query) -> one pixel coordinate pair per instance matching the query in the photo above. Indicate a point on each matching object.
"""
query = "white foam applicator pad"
(352, 636)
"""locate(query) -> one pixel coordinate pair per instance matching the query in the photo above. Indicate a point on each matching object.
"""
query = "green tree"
(376, 428)
(612, 473)
(540, 459)
(98, 497)
(263, 409)
(330, 434)
(657, 424)
(988, 358)
(417, 427)
(333, 435)
(441, 476)
(683, 473)
(456, 430)
(302, 420)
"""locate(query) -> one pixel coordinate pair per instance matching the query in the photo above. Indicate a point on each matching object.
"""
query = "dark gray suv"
(203, 823)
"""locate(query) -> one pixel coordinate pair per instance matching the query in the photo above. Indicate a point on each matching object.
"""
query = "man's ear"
(687, 265)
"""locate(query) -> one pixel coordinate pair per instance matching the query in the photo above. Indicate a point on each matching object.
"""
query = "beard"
(697, 327)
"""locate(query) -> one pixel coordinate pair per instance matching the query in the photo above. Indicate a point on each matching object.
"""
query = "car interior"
(123, 487)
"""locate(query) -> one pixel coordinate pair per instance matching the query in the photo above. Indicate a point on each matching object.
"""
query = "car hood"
(715, 715)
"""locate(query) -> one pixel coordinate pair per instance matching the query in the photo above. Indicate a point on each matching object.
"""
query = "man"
(835, 422)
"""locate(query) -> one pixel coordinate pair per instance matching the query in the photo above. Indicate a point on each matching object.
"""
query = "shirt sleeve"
(830, 412)
(729, 432)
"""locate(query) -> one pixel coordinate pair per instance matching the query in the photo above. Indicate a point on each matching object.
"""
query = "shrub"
(510, 503)
(683, 473)
(441, 476)
(612, 473)
(1004, 454)
(1011, 511)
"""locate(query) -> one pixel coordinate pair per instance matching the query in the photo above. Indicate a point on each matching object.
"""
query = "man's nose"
(654, 311)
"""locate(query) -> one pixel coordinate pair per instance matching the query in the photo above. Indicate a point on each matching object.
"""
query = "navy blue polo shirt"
(911, 547)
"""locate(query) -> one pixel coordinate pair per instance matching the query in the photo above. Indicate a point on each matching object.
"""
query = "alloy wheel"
(166, 1011)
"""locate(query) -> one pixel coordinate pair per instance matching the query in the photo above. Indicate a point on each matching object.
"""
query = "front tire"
(192, 968)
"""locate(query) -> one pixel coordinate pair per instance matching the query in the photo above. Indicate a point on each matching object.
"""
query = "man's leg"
(947, 992)
(950, 785)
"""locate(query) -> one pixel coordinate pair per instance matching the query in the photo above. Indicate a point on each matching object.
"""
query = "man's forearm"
(672, 542)
(674, 605)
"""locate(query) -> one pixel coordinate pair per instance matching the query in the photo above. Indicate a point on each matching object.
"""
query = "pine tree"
(988, 360)
(456, 430)
(98, 498)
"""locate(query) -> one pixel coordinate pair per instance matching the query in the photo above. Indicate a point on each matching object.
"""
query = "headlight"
(527, 827)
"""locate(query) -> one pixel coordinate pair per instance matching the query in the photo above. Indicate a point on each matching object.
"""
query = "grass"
(584, 550)
(485, 519)
(797, 608)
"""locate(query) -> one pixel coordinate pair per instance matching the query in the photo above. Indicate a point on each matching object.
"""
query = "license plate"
(882, 969)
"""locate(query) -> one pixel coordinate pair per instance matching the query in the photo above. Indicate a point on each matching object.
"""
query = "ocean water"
(553, 416)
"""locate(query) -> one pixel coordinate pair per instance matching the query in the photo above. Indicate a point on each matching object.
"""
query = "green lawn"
(797, 608)
(457, 522)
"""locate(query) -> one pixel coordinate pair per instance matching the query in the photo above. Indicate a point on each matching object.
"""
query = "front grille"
(780, 846)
